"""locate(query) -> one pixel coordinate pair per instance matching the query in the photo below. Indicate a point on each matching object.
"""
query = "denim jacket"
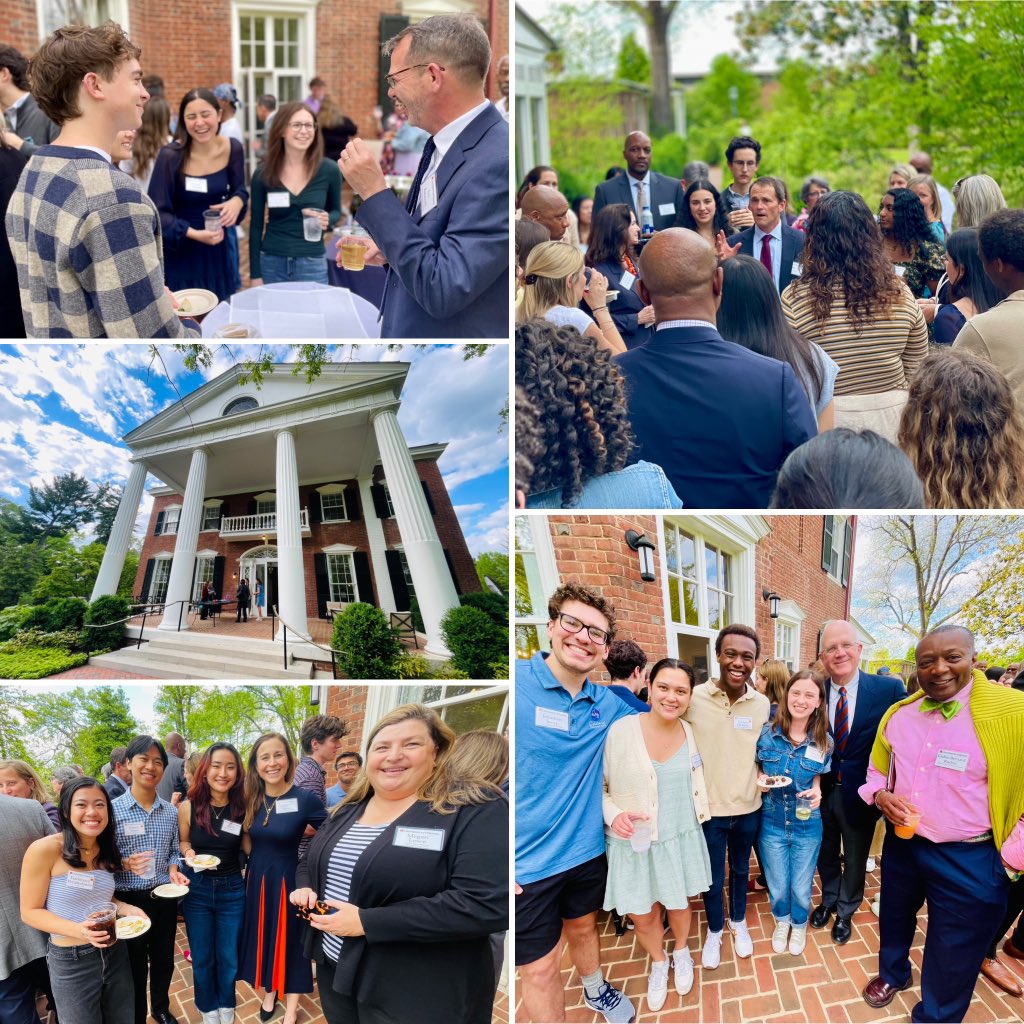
(641, 485)
(777, 756)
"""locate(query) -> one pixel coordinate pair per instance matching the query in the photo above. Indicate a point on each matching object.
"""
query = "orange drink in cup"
(907, 831)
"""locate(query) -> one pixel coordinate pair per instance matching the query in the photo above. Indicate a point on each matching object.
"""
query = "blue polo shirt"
(559, 743)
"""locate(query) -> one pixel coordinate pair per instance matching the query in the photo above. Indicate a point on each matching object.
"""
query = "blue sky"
(66, 407)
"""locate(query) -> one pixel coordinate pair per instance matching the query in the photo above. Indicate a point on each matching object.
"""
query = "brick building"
(708, 571)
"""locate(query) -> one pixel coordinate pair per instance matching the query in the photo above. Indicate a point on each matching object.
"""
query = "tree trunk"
(656, 16)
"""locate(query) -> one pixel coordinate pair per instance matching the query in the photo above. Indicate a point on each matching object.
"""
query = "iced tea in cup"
(313, 221)
(211, 221)
(104, 916)
(907, 831)
(353, 249)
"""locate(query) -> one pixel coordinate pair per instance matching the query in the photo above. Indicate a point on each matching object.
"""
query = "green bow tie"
(948, 707)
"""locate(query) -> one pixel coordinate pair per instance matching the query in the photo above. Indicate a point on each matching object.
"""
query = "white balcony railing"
(258, 524)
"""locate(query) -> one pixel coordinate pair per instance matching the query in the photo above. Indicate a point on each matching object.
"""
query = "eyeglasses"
(302, 126)
(390, 79)
(836, 648)
(573, 625)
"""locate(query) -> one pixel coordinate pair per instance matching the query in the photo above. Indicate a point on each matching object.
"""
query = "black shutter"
(353, 508)
(451, 569)
(148, 578)
(398, 587)
(390, 26)
(380, 501)
(427, 495)
(364, 581)
(847, 548)
(218, 575)
(159, 528)
(323, 584)
(827, 530)
(250, 507)
(314, 506)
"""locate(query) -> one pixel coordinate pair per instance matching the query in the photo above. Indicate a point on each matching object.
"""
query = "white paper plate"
(133, 926)
(204, 861)
(778, 782)
(170, 891)
(195, 301)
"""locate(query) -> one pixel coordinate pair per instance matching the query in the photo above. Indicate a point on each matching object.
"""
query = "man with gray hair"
(695, 170)
(447, 251)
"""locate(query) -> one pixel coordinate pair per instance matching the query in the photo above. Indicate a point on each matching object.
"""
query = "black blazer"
(792, 247)
(427, 914)
(624, 309)
(664, 190)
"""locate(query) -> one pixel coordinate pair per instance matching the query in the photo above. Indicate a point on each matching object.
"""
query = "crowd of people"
(391, 884)
(738, 355)
(93, 252)
(633, 797)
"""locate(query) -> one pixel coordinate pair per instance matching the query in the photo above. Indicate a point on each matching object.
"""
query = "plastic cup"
(104, 915)
(907, 831)
(149, 871)
(312, 219)
(803, 808)
(640, 840)
(211, 221)
(353, 252)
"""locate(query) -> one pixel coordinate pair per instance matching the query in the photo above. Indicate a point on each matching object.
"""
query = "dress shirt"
(851, 701)
(666, 325)
(11, 113)
(161, 836)
(774, 246)
(634, 184)
(443, 142)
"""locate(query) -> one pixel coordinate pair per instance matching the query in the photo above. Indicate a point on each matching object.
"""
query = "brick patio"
(824, 984)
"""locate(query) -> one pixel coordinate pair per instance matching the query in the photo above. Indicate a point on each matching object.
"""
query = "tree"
(21, 565)
(709, 107)
(12, 744)
(110, 724)
(996, 612)
(494, 565)
(60, 507)
(70, 572)
(106, 502)
(633, 63)
(656, 16)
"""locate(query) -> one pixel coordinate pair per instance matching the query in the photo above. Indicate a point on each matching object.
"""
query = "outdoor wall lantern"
(773, 602)
(645, 550)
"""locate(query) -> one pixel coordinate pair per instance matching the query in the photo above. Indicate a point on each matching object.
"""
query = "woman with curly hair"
(612, 253)
(850, 301)
(703, 211)
(909, 242)
(963, 432)
(971, 291)
(579, 397)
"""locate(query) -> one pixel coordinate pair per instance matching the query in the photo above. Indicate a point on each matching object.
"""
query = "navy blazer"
(718, 418)
(625, 307)
(875, 695)
(792, 247)
(664, 190)
(450, 269)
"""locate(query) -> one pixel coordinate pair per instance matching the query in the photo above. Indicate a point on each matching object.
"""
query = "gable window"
(241, 405)
(167, 521)
(158, 582)
(332, 503)
(342, 577)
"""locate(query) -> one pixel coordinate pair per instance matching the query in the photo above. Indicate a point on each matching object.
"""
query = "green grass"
(37, 662)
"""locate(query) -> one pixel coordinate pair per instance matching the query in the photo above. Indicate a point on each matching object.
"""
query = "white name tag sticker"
(797, 269)
(279, 200)
(627, 281)
(546, 718)
(428, 195)
(666, 210)
(696, 762)
(815, 755)
(954, 759)
(290, 806)
(743, 723)
(77, 881)
(899, 271)
(419, 838)
(196, 185)
(135, 828)
(233, 828)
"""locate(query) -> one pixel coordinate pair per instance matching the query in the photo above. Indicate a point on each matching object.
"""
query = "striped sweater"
(86, 240)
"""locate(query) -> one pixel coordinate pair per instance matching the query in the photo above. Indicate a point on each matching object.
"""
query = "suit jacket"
(624, 309)
(718, 418)
(664, 190)
(875, 695)
(449, 270)
(34, 125)
(792, 247)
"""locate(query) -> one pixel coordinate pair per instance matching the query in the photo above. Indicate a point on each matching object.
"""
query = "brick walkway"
(822, 985)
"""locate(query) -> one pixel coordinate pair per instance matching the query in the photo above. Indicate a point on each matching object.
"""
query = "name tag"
(816, 755)
(666, 209)
(627, 280)
(696, 762)
(279, 200)
(428, 195)
(419, 838)
(135, 828)
(290, 806)
(743, 723)
(196, 185)
(233, 828)
(899, 270)
(797, 269)
(952, 759)
(76, 881)
(546, 718)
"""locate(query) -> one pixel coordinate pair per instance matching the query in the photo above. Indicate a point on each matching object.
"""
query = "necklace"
(216, 816)
(269, 807)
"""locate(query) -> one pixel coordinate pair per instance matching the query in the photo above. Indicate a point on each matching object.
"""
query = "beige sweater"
(630, 782)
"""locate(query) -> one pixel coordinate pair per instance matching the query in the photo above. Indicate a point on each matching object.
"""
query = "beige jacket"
(630, 782)
(996, 336)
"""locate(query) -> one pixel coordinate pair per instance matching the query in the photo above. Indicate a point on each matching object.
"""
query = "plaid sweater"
(86, 240)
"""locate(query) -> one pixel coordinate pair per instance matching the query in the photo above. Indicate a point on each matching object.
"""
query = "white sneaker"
(780, 936)
(683, 964)
(871, 863)
(876, 906)
(657, 985)
(742, 942)
(711, 954)
(798, 939)
(227, 1015)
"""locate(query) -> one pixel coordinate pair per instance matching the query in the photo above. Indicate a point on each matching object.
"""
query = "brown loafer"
(879, 993)
(998, 974)
(1011, 950)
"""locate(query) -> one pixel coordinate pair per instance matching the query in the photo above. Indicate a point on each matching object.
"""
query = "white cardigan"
(630, 781)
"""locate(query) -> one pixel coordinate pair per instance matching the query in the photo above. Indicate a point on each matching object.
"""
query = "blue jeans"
(293, 268)
(789, 852)
(737, 833)
(213, 918)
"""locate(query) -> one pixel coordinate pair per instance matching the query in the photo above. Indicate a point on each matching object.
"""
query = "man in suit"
(25, 126)
(641, 186)
(770, 239)
(120, 778)
(856, 703)
(172, 786)
(546, 206)
(718, 418)
(22, 949)
(447, 251)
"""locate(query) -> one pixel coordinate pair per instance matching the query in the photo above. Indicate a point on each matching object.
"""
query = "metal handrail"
(330, 650)
(150, 607)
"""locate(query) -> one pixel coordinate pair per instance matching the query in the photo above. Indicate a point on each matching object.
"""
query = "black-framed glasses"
(573, 625)
(302, 126)
(390, 79)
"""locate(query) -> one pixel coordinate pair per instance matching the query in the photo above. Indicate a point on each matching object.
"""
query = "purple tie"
(766, 254)
(841, 729)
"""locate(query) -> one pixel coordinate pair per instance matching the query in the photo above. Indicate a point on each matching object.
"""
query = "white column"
(435, 591)
(378, 547)
(291, 584)
(120, 533)
(189, 522)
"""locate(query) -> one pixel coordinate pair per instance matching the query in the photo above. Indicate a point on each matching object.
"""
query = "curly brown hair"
(843, 255)
(529, 441)
(964, 434)
(572, 591)
(579, 395)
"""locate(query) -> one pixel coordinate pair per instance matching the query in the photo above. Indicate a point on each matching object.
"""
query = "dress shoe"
(265, 1015)
(165, 1018)
(879, 993)
(1011, 950)
(841, 930)
(821, 916)
(998, 974)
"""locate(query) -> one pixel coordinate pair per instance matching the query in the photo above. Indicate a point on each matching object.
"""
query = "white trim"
(333, 489)
(340, 549)
(540, 528)
(225, 411)
(791, 615)
(163, 554)
(265, 496)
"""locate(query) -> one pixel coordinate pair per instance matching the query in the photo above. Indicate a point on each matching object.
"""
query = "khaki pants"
(879, 412)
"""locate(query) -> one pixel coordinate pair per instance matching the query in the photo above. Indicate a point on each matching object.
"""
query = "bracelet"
(595, 309)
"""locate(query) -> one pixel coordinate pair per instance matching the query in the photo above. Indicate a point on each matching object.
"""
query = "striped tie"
(841, 729)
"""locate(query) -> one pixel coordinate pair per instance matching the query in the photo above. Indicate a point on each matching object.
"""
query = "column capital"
(204, 448)
(289, 431)
(391, 407)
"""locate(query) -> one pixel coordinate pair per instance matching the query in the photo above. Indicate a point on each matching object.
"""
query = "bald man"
(641, 186)
(717, 417)
(547, 207)
(501, 80)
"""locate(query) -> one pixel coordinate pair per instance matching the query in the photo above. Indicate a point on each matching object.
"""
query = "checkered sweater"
(86, 240)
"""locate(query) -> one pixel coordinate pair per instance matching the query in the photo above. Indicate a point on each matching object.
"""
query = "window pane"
(246, 55)
(673, 599)
(293, 30)
(476, 714)
(261, 28)
(260, 60)
(528, 641)
(266, 507)
(688, 556)
(279, 60)
(245, 29)
(691, 603)
(342, 579)
(711, 565)
(333, 506)
(279, 30)
(727, 610)
(727, 573)
(407, 575)
(715, 609)
(671, 549)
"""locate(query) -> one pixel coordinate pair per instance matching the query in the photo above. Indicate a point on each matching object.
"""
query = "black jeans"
(152, 954)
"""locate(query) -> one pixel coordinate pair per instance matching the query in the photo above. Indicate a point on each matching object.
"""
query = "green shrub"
(368, 644)
(446, 670)
(412, 666)
(499, 669)
(26, 639)
(57, 614)
(417, 618)
(475, 641)
(13, 619)
(37, 662)
(105, 613)
(494, 606)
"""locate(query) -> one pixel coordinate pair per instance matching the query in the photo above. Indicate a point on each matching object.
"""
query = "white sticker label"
(900, 271)
(233, 828)
(419, 838)
(797, 269)
(815, 754)
(77, 881)
(627, 281)
(667, 210)
(290, 806)
(279, 200)
(546, 718)
(952, 759)
(196, 185)
(135, 828)
(428, 195)
(743, 723)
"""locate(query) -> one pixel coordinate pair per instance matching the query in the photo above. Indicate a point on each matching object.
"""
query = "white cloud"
(490, 533)
(468, 510)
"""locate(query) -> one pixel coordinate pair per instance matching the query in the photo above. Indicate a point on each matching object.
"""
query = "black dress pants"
(842, 884)
(152, 954)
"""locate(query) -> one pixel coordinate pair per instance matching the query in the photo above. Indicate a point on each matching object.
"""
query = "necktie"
(766, 259)
(414, 192)
(641, 199)
(948, 707)
(841, 728)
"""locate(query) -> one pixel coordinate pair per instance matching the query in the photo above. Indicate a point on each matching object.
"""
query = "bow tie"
(948, 707)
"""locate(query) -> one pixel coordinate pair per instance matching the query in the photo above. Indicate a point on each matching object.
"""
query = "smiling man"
(562, 719)
(770, 239)
(951, 756)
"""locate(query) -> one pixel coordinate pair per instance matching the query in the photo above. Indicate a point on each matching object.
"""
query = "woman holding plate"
(67, 888)
(210, 827)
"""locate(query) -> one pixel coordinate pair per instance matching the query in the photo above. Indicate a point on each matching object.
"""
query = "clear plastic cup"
(803, 808)
(353, 251)
(211, 221)
(149, 868)
(312, 224)
(104, 915)
(640, 840)
(907, 831)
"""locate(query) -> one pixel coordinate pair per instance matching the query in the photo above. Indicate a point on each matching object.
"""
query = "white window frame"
(382, 699)
(333, 490)
(406, 571)
(213, 505)
(203, 559)
(266, 498)
(545, 576)
(341, 551)
(791, 617)
(839, 527)
(387, 499)
(167, 531)
(160, 561)
(117, 10)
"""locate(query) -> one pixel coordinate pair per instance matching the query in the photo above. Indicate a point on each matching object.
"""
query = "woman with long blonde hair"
(19, 778)
(976, 196)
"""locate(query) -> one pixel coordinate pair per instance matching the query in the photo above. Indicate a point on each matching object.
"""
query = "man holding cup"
(949, 758)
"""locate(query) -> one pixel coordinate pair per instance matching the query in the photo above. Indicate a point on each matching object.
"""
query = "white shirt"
(443, 142)
(232, 130)
(634, 184)
(11, 112)
(851, 700)
(666, 325)
(502, 107)
(774, 247)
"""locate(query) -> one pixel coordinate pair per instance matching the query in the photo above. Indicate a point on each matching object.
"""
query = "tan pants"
(878, 412)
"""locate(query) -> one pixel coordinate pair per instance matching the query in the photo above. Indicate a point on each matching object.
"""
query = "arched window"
(241, 405)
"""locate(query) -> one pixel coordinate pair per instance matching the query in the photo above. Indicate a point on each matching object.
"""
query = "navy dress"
(626, 306)
(190, 264)
(271, 933)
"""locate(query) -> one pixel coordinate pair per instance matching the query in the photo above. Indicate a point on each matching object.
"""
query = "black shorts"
(544, 904)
